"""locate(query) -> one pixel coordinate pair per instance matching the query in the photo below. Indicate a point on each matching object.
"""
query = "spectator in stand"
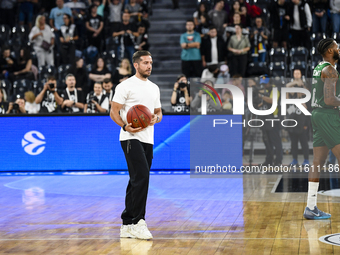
(108, 89)
(126, 33)
(271, 132)
(31, 106)
(319, 12)
(94, 25)
(201, 10)
(134, 9)
(236, 8)
(26, 11)
(115, 16)
(43, 41)
(141, 40)
(99, 72)
(81, 75)
(335, 15)
(123, 72)
(96, 101)
(3, 103)
(219, 17)
(100, 6)
(68, 35)
(203, 27)
(299, 132)
(259, 37)
(73, 98)
(231, 30)
(18, 107)
(8, 64)
(279, 19)
(237, 81)
(78, 11)
(191, 55)
(57, 19)
(213, 49)
(301, 23)
(196, 104)
(24, 66)
(7, 12)
(48, 98)
(180, 98)
(239, 46)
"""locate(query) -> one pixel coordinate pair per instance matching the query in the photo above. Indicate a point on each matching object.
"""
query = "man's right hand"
(131, 129)
(176, 86)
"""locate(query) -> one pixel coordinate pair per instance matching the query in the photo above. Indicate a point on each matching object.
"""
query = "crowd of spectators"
(67, 55)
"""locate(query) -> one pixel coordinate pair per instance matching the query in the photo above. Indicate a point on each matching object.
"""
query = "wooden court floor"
(81, 215)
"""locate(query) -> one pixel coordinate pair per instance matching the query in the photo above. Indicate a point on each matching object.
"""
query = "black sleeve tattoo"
(331, 77)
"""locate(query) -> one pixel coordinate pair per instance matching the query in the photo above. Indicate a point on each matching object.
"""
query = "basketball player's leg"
(311, 211)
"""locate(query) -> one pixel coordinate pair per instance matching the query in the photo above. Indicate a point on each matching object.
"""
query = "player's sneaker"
(125, 231)
(315, 214)
(140, 230)
(294, 162)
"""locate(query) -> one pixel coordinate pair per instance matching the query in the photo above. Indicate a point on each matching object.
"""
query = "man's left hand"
(153, 120)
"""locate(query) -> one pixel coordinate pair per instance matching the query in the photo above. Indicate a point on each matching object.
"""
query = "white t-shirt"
(32, 107)
(134, 91)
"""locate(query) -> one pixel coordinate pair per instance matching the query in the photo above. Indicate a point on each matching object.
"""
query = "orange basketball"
(139, 115)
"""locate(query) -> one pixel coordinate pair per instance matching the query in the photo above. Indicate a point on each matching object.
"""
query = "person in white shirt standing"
(301, 23)
(137, 143)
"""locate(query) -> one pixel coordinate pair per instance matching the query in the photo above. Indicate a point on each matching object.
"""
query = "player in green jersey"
(325, 120)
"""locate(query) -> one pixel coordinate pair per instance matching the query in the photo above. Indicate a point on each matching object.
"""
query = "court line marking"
(276, 183)
(159, 238)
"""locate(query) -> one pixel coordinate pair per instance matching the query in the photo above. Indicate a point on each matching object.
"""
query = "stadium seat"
(298, 54)
(279, 81)
(61, 85)
(278, 55)
(111, 43)
(6, 85)
(5, 32)
(46, 71)
(37, 87)
(257, 69)
(278, 69)
(63, 70)
(89, 67)
(21, 86)
(261, 3)
(19, 35)
(316, 38)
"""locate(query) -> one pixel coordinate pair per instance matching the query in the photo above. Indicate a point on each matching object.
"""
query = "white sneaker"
(140, 230)
(125, 231)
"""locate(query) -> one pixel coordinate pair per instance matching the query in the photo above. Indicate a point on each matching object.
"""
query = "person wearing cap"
(180, 97)
(271, 132)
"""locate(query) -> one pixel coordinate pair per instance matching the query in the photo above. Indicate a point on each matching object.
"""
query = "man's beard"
(336, 55)
(144, 74)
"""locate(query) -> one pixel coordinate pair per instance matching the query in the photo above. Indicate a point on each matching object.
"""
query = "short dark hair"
(324, 45)
(107, 80)
(51, 78)
(6, 47)
(98, 82)
(69, 75)
(190, 20)
(212, 27)
(138, 54)
(180, 76)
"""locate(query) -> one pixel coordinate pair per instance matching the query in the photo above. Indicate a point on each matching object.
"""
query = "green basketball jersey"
(317, 87)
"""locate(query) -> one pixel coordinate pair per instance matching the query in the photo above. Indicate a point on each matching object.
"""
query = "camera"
(51, 85)
(182, 85)
(15, 106)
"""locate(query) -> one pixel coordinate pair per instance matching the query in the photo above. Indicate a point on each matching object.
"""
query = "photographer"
(18, 107)
(271, 134)
(96, 101)
(180, 98)
(73, 98)
(300, 131)
(3, 103)
(48, 97)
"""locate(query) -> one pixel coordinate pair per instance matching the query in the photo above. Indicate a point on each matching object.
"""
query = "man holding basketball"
(325, 120)
(137, 143)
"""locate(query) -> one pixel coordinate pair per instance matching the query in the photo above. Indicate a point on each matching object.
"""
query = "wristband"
(175, 90)
(124, 127)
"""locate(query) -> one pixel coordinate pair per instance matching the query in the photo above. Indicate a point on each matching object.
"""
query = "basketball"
(139, 115)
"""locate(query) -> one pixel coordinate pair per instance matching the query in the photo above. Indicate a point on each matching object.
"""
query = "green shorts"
(326, 127)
